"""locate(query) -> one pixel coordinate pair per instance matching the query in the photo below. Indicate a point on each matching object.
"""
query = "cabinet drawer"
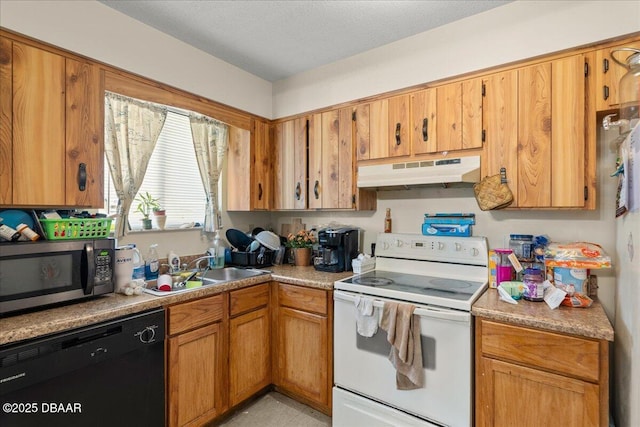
(306, 299)
(244, 300)
(189, 315)
(577, 357)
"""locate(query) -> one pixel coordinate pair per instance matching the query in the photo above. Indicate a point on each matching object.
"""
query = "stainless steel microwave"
(36, 274)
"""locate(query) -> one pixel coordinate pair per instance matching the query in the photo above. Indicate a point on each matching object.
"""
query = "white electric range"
(441, 277)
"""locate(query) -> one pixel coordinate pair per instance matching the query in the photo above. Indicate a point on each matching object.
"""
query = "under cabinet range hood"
(420, 173)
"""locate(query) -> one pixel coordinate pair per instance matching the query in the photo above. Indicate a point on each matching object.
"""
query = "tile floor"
(276, 410)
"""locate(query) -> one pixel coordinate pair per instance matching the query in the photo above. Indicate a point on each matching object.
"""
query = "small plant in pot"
(146, 204)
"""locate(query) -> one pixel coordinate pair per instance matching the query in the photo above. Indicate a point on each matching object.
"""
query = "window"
(172, 176)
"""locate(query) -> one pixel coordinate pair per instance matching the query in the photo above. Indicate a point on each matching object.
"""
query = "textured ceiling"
(277, 39)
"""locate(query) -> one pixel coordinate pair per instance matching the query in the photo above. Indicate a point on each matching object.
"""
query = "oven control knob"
(458, 247)
(440, 246)
(475, 252)
(398, 243)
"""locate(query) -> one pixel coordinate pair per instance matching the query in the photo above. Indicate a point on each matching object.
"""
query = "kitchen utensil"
(238, 239)
(269, 239)
(254, 246)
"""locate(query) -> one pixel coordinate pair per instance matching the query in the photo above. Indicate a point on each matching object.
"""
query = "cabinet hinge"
(484, 135)
(586, 69)
(484, 90)
(353, 116)
(586, 193)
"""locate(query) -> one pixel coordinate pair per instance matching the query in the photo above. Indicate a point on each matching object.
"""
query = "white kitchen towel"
(367, 316)
(403, 333)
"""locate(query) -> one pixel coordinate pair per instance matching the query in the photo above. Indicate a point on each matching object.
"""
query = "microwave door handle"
(89, 267)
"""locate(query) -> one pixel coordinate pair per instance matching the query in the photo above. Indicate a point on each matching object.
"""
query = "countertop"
(14, 328)
(591, 322)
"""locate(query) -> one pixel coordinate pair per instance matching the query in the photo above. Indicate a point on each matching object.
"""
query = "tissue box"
(443, 224)
(363, 265)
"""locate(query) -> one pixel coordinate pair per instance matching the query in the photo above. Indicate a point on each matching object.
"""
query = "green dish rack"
(76, 228)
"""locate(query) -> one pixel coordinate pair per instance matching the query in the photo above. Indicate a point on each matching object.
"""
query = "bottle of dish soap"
(151, 263)
(174, 262)
(216, 251)
(138, 263)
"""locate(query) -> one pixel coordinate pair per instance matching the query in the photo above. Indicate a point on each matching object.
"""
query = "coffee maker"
(337, 248)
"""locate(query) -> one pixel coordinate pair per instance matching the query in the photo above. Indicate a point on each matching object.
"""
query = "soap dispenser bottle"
(216, 252)
(174, 262)
(151, 264)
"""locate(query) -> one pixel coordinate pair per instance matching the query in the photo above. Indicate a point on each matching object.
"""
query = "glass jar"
(629, 90)
(533, 287)
(522, 246)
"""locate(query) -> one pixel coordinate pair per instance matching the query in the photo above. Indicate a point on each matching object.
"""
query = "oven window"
(378, 344)
(43, 274)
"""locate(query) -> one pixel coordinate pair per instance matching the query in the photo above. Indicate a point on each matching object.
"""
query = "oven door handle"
(421, 310)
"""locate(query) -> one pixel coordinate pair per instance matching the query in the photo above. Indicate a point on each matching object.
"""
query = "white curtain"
(132, 128)
(210, 141)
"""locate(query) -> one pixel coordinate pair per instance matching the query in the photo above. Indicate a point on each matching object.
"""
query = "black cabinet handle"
(298, 191)
(82, 177)
(315, 190)
(425, 126)
(606, 92)
(259, 191)
(605, 65)
(398, 134)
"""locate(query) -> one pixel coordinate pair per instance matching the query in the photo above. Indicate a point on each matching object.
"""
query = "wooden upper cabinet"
(608, 74)
(382, 128)
(459, 107)
(290, 165)
(424, 134)
(331, 165)
(249, 167)
(53, 111)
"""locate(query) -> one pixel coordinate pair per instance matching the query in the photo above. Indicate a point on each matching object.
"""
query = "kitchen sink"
(210, 278)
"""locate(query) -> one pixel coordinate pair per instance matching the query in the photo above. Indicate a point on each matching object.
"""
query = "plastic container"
(27, 232)
(522, 246)
(504, 269)
(174, 262)
(533, 288)
(151, 263)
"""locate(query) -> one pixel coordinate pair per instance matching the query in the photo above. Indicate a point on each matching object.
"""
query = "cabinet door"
(423, 122)
(261, 156)
(568, 132)
(84, 135)
(196, 372)
(460, 115)
(291, 164)
(608, 74)
(249, 354)
(363, 132)
(512, 395)
(302, 354)
(531, 179)
(378, 129)
(399, 142)
(239, 170)
(38, 150)
(6, 121)
(500, 124)
(317, 171)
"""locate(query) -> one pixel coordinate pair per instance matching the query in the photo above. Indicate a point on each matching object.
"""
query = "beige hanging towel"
(403, 333)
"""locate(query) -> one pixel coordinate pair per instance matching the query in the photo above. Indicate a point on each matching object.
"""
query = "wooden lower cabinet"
(196, 368)
(303, 345)
(529, 377)
(249, 342)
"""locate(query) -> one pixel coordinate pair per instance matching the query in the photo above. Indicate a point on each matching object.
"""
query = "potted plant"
(301, 244)
(146, 204)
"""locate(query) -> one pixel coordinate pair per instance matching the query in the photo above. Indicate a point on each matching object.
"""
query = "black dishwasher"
(107, 374)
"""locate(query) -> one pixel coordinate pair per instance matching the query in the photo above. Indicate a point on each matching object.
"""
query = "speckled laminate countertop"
(589, 322)
(49, 321)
